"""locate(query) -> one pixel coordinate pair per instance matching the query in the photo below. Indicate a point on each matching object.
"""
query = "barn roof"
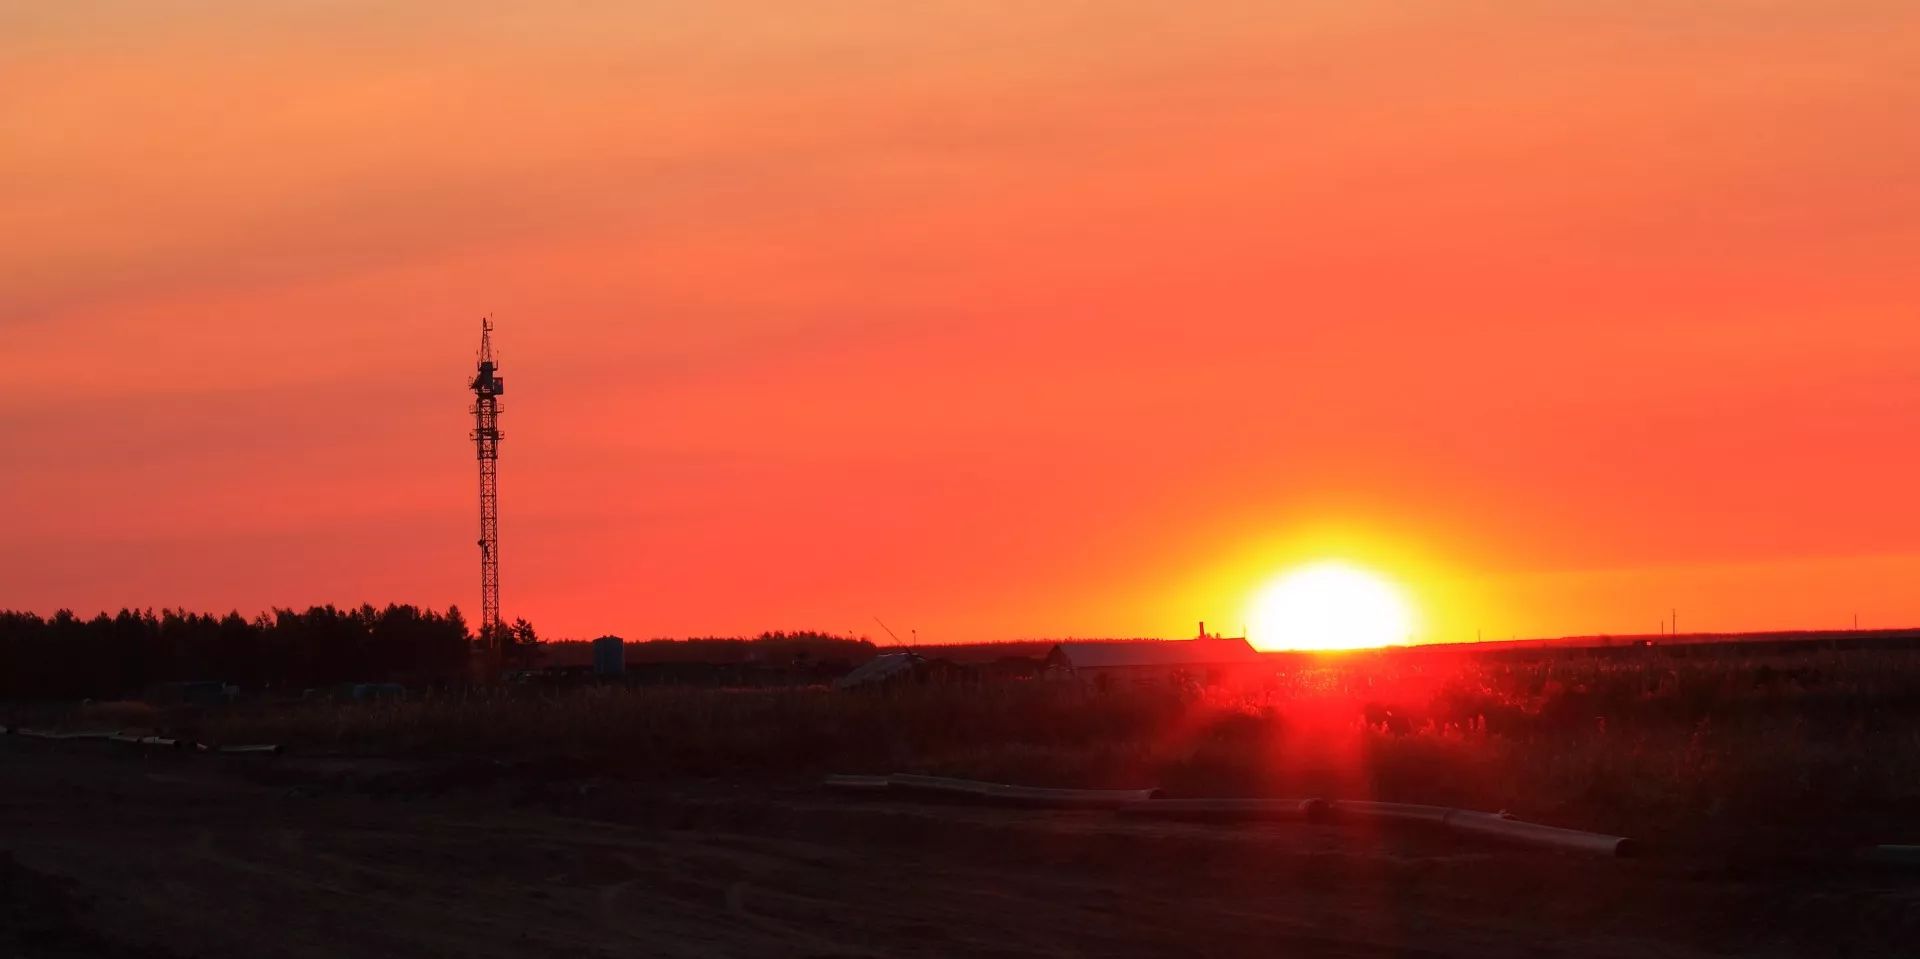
(1154, 652)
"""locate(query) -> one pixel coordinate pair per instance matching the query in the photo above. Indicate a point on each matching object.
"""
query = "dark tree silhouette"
(65, 657)
(521, 644)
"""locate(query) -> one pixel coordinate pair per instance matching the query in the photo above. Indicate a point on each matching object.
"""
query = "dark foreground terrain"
(114, 851)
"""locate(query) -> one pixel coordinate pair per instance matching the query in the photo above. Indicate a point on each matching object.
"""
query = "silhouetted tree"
(519, 649)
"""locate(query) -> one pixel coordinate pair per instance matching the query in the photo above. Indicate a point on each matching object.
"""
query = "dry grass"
(124, 714)
(1729, 747)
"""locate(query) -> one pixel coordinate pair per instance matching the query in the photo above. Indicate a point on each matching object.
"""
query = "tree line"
(777, 649)
(67, 657)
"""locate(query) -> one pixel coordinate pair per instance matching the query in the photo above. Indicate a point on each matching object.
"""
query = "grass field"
(1816, 748)
(683, 820)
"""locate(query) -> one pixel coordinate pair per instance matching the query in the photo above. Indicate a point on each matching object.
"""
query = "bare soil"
(111, 850)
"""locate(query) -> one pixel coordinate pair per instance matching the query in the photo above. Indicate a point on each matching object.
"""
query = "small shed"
(1159, 662)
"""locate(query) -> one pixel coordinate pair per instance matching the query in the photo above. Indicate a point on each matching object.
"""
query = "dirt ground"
(108, 850)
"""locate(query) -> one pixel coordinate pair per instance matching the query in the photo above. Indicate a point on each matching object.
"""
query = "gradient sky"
(991, 319)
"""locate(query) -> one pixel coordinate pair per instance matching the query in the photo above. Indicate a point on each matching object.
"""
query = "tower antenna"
(487, 387)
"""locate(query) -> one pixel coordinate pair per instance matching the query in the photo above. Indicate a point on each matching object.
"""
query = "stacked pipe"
(1149, 803)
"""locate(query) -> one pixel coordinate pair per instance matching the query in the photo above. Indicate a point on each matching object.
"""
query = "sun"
(1330, 605)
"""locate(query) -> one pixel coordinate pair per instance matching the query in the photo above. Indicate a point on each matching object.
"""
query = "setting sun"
(1330, 605)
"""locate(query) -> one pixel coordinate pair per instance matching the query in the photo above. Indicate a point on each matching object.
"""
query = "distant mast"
(487, 387)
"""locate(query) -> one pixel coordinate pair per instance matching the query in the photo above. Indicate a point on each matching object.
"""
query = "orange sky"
(993, 320)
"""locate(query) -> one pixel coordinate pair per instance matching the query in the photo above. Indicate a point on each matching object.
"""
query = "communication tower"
(487, 387)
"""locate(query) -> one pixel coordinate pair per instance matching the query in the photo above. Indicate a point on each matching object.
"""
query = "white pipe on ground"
(1068, 798)
(1147, 802)
(856, 783)
(1499, 826)
(1223, 810)
(1018, 795)
(936, 785)
(1491, 825)
(51, 734)
(1398, 811)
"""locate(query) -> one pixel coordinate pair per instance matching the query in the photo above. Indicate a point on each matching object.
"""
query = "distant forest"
(125, 655)
(771, 649)
(66, 657)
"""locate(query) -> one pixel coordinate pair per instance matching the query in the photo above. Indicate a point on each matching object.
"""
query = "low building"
(883, 669)
(1210, 661)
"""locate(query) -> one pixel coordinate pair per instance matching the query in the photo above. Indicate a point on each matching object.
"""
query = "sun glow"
(1330, 605)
